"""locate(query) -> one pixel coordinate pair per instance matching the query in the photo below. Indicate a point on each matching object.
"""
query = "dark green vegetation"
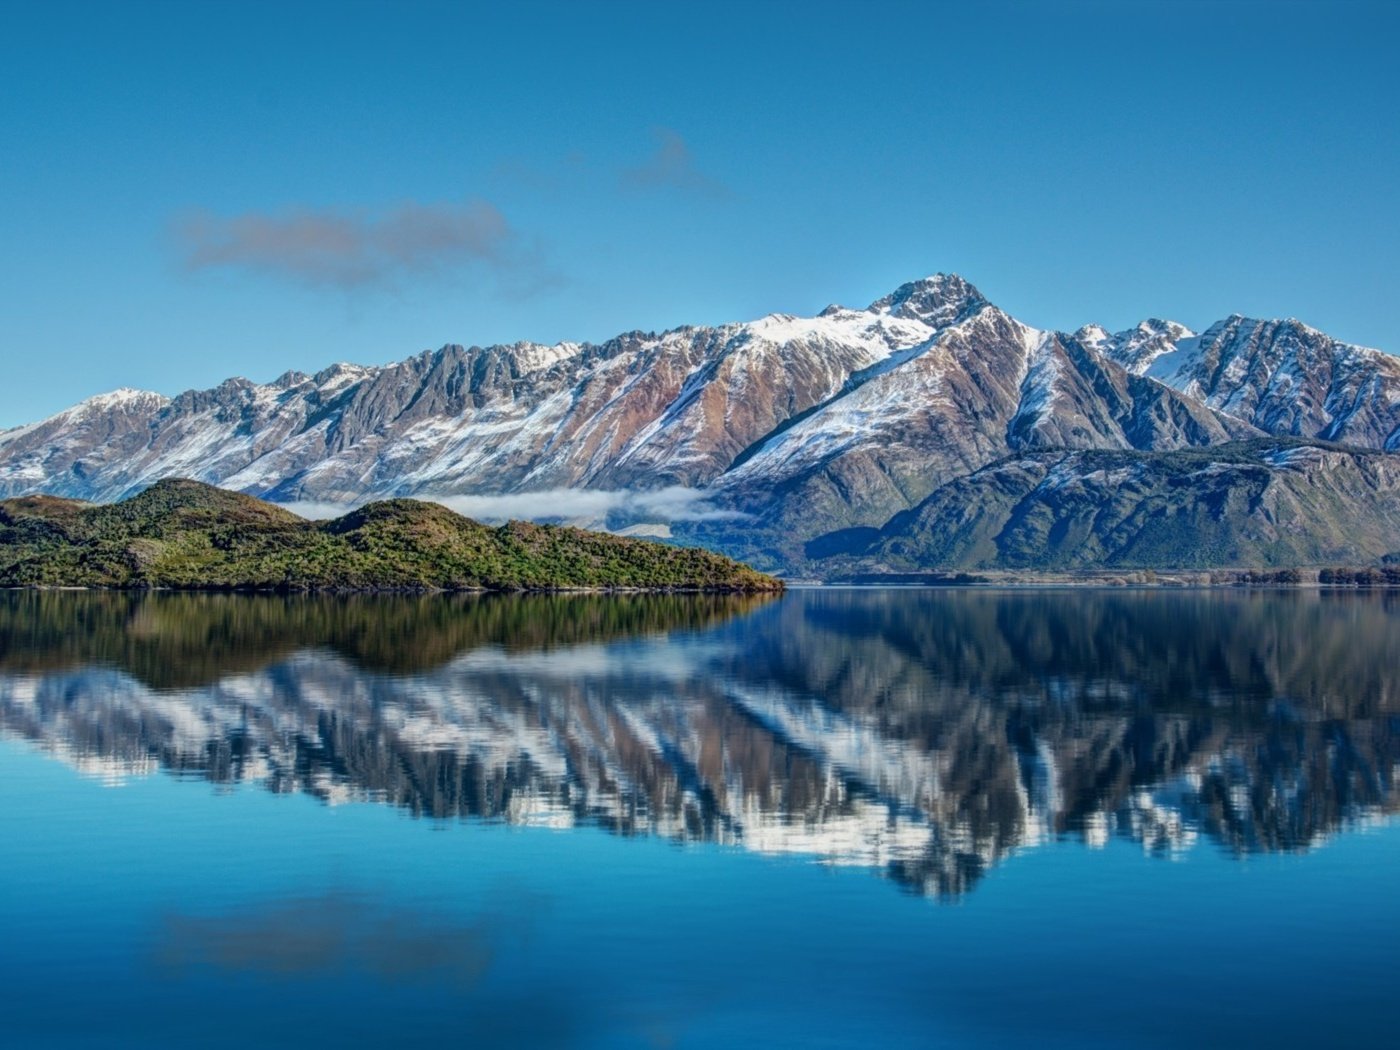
(185, 534)
(1273, 503)
(177, 640)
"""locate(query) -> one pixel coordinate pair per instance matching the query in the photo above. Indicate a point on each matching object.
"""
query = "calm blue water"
(903, 818)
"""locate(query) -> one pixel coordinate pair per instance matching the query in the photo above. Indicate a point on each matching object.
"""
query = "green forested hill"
(185, 534)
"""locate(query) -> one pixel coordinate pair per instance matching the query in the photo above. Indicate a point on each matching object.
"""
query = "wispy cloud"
(672, 166)
(675, 503)
(548, 176)
(356, 249)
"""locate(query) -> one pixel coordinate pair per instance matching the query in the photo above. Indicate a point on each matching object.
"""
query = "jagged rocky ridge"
(926, 735)
(804, 426)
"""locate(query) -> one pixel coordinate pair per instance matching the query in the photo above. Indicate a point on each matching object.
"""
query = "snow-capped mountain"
(674, 408)
(1287, 378)
(802, 426)
(1282, 376)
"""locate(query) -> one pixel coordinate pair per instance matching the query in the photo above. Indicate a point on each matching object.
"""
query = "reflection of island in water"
(925, 733)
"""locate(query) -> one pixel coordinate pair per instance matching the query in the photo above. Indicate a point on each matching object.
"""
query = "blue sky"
(193, 191)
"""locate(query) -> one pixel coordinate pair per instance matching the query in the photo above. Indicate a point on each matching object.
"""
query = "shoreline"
(1331, 578)
(1097, 580)
(295, 590)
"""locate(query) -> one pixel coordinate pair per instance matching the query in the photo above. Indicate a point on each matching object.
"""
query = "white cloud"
(672, 504)
(318, 511)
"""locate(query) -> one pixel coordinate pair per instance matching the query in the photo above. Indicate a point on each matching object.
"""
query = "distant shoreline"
(1330, 578)
(1106, 580)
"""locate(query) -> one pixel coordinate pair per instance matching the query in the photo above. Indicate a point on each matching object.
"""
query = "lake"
(832, 818)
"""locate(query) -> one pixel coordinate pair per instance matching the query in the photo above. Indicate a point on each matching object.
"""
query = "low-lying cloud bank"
(675, 503)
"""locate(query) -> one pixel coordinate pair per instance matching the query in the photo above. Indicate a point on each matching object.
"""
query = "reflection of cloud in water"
(342, 931)
(661, 660)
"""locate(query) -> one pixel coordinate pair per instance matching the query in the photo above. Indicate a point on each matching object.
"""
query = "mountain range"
(928, 430)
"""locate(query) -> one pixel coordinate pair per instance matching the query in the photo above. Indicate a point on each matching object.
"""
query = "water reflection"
(925, 734)
(330, 933)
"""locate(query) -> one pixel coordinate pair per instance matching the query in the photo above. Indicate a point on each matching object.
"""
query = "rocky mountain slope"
(1257, 503)
(778, 431)
(1282, 376)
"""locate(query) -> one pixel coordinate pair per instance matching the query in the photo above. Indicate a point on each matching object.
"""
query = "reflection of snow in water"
(667, 737)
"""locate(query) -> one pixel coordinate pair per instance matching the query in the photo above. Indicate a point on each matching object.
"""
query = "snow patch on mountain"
(878, 333)
(874, 402)
(1039, 387)
(1174, 365)
(122, 398)
(533, 357)
(15, 433)
(1137, 348)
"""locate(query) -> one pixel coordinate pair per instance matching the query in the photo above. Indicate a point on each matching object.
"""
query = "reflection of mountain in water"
(926, 733)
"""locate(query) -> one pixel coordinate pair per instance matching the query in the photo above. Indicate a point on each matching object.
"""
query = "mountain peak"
(123, 396)
(1156, 326)
(1136, 348)
(943, 299)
